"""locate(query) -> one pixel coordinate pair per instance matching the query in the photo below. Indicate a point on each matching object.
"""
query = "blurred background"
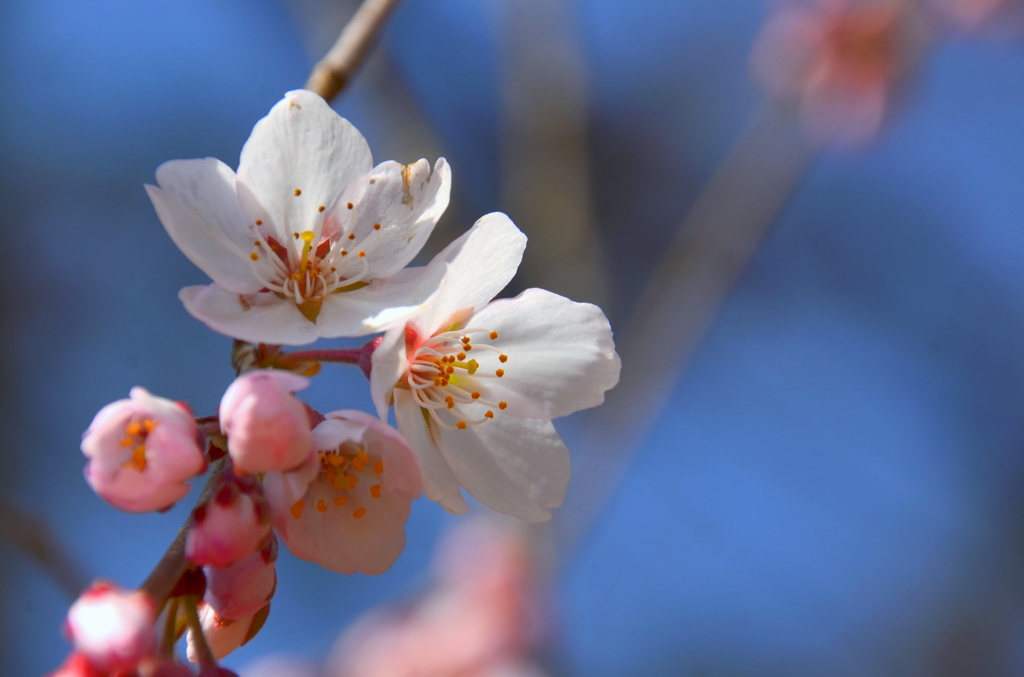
(833, 487)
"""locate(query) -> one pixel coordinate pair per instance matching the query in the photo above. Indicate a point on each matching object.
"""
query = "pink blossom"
(232, 524)
(838, 60)
(266, 425)
(112, 627)
(141, 451)
(224, 635)
(346, 508)
(478, 621)
(246, 586)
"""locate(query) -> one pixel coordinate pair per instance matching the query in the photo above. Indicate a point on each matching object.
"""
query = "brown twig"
(336, 69)
(30, 534)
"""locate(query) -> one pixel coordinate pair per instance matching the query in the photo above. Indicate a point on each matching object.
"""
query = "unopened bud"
(224, 636)
(266, 425)
(232, 524)
(112, 627)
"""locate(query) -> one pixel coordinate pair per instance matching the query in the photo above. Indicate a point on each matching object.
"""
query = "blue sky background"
(834, 487)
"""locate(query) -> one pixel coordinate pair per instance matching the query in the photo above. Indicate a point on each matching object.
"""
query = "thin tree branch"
(336, 69)
(715, 242)
(31, 535)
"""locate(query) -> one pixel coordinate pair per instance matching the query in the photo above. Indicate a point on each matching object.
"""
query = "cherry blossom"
(346, 508)
(971, 15)
(266, 425)
(838, 60)
(479, 620)
(476, 384)
(112, 627)
(242, 589)
(141, 451)
(231, 525)
(308, 240)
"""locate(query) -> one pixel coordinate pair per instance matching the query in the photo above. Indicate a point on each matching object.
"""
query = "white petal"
(561, 356)
(388, 363)
(519, 467)
(196, 204)
(481, 263)
(302, 145)
(439, 484)
(264, 319)
(403, 203)
(380, 304)
(381, 559)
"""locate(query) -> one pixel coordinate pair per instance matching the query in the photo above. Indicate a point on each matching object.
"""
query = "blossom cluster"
(309, 240)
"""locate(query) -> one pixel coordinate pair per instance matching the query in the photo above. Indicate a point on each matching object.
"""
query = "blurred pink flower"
(246, 586)
(112, 627)
(77, 665)
(838, 60)
(475, 382)
(141, 451)
(308, 240)
(224, 635)
(266, 425)
(480, 619)
(346, 508)
(233, 523)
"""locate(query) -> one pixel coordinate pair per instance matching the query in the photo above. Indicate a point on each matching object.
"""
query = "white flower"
(308, 240)
(476, 384)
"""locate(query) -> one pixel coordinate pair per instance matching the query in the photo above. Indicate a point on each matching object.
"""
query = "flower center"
(448, 384)
(341, 471)
(316, 264)
(136, 430)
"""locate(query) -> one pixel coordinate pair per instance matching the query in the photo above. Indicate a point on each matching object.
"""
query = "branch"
(713, 245)
(30, 534)
(336, 69)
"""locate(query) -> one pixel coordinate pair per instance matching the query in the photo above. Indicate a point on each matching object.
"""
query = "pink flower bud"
(266, 425)
(232, 524)
(141, 451)
(112, 627)
(246, 586)
(223, 635)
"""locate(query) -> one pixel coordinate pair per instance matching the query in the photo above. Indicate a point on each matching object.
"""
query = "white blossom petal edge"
(308, 240)
(475, 383)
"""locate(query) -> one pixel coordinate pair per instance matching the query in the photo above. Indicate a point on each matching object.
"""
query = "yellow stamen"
(378, 467)
(375, 491)
(296, 509)
(321, 506)
(359, 514)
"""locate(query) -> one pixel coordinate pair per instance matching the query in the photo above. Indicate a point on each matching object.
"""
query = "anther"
(376, 226)
(375, 491)
(351, 236)
(503, 358)
(362, 255)
(296, 509)
(359, 514)
(321, 506)
(450, 401)
(488, 414)
(350, 205)
(378, 467)
(475, 395)
(321, 208)
(298, 192)
(128, 441)
(499, 372)
(465, 339)
(461, 425)
(254, 256)
(493, 335)
(258, 222)
(340, 500)
(502, 405)
(462, 356)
